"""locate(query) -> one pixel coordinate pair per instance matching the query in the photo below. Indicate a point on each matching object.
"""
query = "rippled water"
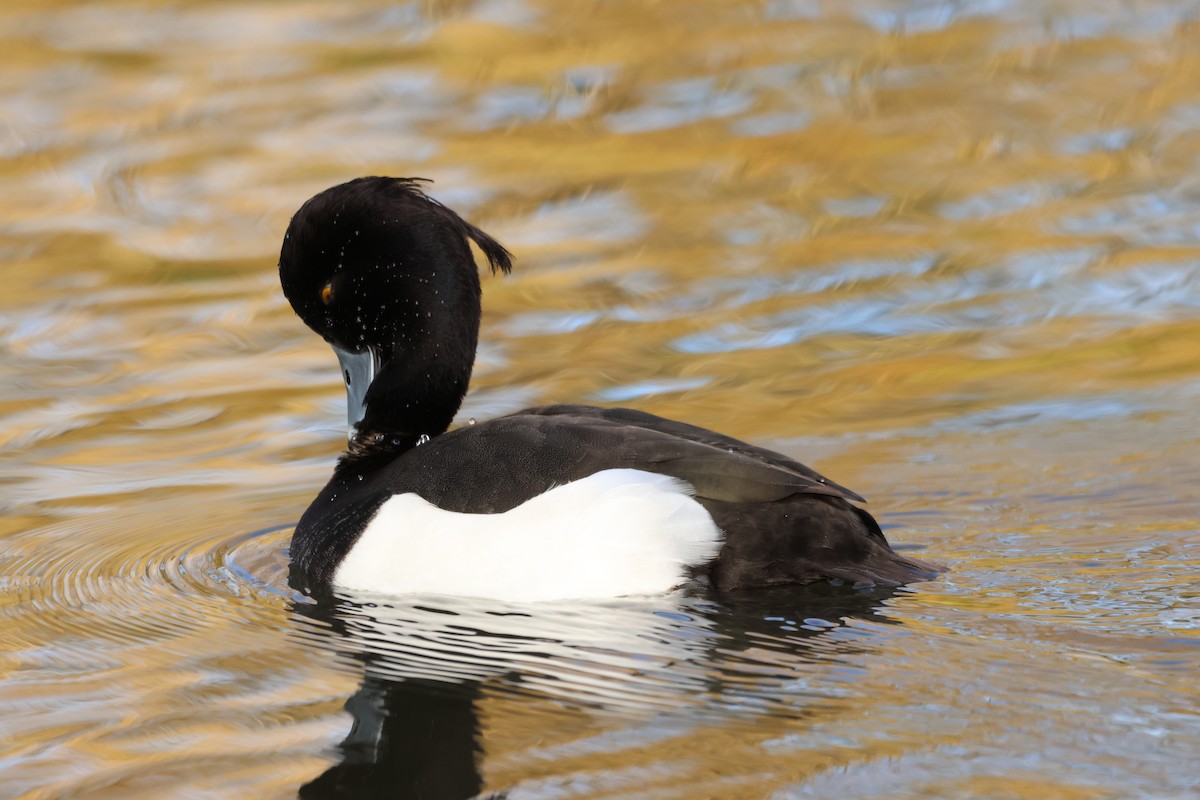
(947, 253)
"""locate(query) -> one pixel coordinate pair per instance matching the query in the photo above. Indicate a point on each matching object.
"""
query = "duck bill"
(358, 370)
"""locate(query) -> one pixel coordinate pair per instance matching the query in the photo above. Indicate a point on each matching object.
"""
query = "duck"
(552, 503)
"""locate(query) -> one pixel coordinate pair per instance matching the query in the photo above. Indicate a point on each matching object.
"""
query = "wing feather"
(718, 466)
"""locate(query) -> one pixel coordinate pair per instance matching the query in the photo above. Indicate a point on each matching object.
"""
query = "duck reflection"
(429, 662)
(409, 739)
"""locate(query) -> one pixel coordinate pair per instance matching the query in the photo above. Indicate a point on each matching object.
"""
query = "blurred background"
(944, 252)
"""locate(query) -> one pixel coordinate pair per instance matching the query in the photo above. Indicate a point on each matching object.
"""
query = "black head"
(385, 274)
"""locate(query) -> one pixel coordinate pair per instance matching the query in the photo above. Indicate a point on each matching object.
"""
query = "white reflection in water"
(655, 669)
(1025, 290)
(1160, 218)
(623, 394)
(1005, 200)
(593, 217)
(629, 653)
(772, 124)
(677, 103)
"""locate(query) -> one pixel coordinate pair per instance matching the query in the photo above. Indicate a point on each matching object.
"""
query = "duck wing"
(719, 467)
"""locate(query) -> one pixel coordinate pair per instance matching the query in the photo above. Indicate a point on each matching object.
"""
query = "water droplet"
(471, 421)
(422, 439)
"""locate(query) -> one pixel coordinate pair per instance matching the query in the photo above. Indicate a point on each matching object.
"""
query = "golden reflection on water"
(946, 253)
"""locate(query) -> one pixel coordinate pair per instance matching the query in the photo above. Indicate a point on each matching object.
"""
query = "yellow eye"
(327, 294)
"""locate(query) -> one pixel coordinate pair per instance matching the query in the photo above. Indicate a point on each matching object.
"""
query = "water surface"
(946, 253)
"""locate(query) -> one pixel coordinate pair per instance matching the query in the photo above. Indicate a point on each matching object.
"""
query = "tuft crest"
(497, 255)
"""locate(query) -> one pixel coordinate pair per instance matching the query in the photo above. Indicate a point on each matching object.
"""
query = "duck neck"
(412, 398)
(419, 389)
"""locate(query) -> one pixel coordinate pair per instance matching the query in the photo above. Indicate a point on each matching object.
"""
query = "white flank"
(615, 533)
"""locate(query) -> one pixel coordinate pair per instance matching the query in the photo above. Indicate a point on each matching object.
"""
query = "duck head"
(385, 274)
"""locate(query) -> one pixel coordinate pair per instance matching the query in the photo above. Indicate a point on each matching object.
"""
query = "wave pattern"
(943, 251)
